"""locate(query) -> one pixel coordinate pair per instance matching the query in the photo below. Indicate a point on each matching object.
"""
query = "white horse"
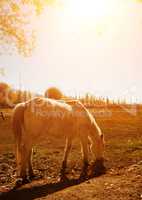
(39, 117)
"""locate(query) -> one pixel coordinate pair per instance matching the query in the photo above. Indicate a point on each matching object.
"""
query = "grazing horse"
(40, 117)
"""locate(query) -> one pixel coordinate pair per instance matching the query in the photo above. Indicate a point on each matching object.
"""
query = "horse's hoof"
(85, 166)
(19, 183)
(99, 168)
(62, 171)
(25, 181)
(83, 175)
(63, 178)
(32, 177)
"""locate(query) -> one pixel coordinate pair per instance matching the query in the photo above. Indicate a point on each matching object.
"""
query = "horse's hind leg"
(66, 153)
(23, 169)
(31, 173)
(84, 145)
(84, 149)
(18, 159)
(24, 162)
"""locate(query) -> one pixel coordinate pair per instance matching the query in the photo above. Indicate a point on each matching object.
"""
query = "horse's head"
(99, 155)
(101, 146)
(102, 141)
(98, 143)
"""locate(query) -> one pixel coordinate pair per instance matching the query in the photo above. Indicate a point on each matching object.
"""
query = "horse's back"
(44, 116)
(47, 116)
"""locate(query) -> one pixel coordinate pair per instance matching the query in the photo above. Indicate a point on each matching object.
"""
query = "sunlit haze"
(83, 46)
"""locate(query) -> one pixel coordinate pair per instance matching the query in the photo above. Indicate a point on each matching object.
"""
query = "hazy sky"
(95, 48)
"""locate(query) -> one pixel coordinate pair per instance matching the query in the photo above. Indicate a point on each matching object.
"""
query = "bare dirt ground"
(122, 180)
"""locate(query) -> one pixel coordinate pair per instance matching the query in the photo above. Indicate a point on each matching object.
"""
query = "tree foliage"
(4, 88)
(16, 19)
(53, 93)
(9, 96)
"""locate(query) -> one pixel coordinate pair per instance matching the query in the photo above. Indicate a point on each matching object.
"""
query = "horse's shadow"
(45, 189)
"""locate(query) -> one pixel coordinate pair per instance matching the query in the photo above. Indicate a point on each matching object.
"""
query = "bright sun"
(89, 8)
(92, 11)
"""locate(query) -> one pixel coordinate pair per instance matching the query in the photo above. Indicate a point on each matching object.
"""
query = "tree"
(16, 17)
(4, 90)
(53, 93)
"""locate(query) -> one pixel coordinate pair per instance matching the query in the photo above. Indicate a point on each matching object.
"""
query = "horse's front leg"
(22, 162)
(84, 148)
(66, 153)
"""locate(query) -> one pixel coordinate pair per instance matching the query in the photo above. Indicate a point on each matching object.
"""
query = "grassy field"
(122, 127)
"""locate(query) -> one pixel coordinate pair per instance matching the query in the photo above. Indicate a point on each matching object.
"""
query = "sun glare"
(83, 13)
(90, 8)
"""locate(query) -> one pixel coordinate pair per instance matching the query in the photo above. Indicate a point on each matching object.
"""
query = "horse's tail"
(17, 125)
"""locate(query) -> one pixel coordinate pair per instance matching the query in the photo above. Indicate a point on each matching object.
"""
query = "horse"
(39, 117)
